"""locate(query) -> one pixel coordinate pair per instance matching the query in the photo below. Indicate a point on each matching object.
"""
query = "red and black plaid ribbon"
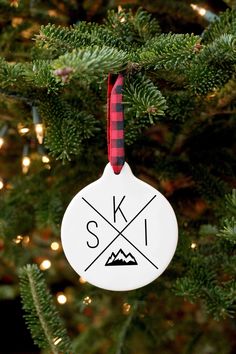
(115, 122)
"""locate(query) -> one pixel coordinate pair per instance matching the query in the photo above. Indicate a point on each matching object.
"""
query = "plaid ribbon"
(115, 122)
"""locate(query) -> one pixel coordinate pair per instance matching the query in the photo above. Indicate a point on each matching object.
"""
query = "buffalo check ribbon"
(115, 122)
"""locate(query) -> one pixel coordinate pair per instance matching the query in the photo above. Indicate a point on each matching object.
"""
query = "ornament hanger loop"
(115, 122)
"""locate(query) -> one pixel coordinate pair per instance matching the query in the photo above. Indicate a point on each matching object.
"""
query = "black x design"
(120, 233)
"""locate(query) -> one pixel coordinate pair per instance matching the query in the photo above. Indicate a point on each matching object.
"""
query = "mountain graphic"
(121, 259)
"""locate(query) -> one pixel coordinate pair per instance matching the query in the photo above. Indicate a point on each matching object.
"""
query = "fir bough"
(210, 275)
(41, 315)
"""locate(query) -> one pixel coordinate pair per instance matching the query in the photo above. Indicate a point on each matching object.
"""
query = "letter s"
(97, 240)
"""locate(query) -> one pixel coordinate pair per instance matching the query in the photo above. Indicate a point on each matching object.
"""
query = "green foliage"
(10, 73)
(121, 30)
(169, 51)
(132, 29)
(144, 105)
(67, 128)
(89, 64)
(211, 260)
(214, 65)
(226, 24)
(228, 224)
(41, 315)
(143, 98)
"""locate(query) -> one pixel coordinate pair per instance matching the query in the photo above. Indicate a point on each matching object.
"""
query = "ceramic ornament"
(119, 233)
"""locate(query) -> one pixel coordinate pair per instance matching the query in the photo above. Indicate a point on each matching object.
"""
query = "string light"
(208, 15)
(22, 130)
(39, 132)
(55, 246)
(82, 280)
(1, 142)
(45, 159)
(200, 10)
(1, 184)
(57, 340)
(25, 159)
(126, 308)
(3, 132)
(14, 3)
(21, 239)
(87, 300)
(18, 239)
(38, 125)
(45, 264)
(16, 21)
(25, 164)
(61, 298)
(26, 240)
(193, 245)
(120, 10)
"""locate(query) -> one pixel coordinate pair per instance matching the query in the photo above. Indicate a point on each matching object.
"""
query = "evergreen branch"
(36, 75)
(220, 51)
(209, 185)
(124, 330)
(145, 25)
(67, 128)
(228, 230)
(169, 51)
(41, 315)
(228, 225)
(204, 78)
(91, 63)
(133, 29)
(61, 39)
(57, 37)
(144, 105)
(143, 98)
(230, 203)
(10, 74)
(226, 24)
(136, 29)
(40, 76)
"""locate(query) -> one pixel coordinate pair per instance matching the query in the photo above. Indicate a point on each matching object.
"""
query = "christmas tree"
(178, 59)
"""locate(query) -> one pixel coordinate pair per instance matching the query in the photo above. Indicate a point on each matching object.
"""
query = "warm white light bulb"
(87, 300)
(126, 308)
(193, 6)
(193, 245)
(45, 159)
(200, 10)
(22, 130)
(18, 239)
(26, 240)
(61, 298)
(120, 9)
(82, 280)
(25, 164)
(45, 264)
(1, 184)
(39, 132)
(55, 246)
(57, 340)
(1, 142)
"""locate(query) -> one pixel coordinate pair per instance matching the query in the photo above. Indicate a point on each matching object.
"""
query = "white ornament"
(119, 233)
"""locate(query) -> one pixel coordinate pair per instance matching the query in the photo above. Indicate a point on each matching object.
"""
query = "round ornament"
(119, 233)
